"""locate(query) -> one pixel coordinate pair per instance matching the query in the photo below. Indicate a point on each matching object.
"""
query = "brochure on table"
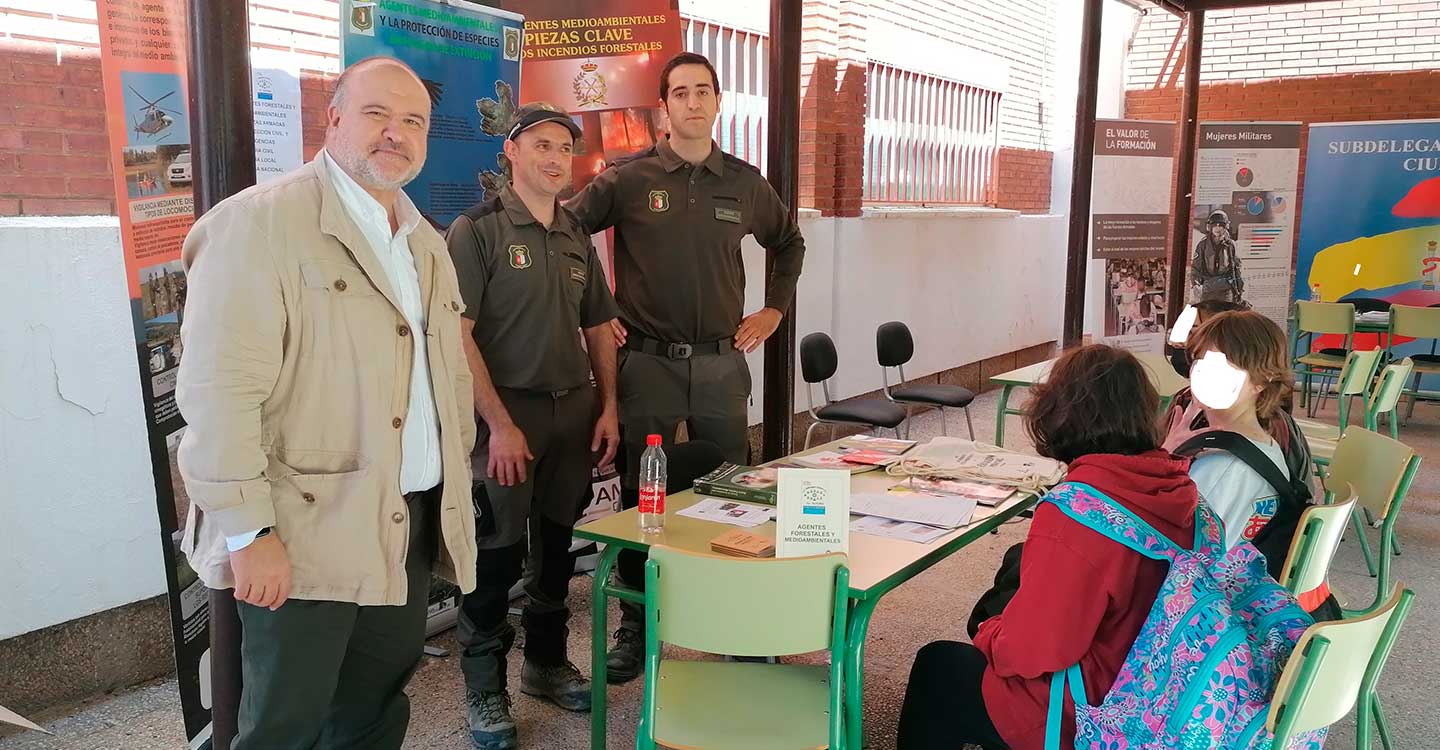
(813, 512)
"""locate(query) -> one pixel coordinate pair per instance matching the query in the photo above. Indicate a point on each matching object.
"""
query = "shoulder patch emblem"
(519, 256)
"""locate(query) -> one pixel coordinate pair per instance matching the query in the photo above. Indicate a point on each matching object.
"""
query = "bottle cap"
(652, 440)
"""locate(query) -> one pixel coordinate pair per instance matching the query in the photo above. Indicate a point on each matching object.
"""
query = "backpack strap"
(1056, 712)
(1095, 510)
(1242, 448)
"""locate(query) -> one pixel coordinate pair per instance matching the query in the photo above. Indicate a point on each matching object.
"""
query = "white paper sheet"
(902, 530)
(942, 512)
(732, 512)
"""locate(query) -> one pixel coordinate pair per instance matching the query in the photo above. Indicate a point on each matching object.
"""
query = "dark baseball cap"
(538, 113)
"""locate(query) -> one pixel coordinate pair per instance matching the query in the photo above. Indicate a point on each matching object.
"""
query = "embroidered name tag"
(727, 214)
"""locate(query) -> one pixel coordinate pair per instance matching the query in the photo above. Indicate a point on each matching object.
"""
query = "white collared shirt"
(420, 466)
(420, 441)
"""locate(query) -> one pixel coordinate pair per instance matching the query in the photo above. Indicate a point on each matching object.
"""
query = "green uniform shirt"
(529, 290)
(678, 270)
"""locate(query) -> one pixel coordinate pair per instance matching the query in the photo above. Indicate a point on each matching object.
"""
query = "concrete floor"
(933, 606)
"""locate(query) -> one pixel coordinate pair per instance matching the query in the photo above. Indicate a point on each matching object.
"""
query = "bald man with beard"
(330, 423)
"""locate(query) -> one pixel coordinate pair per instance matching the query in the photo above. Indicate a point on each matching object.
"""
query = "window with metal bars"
(741, 60)
(929, 140)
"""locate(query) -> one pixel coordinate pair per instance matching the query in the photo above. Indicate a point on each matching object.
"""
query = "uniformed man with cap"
(680, 211)
(1215, 267)
(531, 282)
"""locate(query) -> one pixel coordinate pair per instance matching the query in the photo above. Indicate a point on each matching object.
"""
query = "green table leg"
(860, 614)
(599, 643)
(1001, 411)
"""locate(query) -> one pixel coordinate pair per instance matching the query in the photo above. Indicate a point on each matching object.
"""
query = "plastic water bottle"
(1315, 293)
(652, 486)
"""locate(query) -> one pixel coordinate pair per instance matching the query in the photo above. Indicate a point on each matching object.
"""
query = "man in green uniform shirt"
(680, 210)
(531, 282)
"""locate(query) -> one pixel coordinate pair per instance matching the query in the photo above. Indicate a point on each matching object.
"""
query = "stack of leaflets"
(756, 484)
(888, 446)
(836, 460)
(989, 495)
(741, 543)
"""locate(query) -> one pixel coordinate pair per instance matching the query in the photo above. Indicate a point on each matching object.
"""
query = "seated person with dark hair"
(1082, 597)
(1204, 310)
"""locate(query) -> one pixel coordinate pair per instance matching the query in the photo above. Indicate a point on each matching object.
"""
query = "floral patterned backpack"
(1204, 668)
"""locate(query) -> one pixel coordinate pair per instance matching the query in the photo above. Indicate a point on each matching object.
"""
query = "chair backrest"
(1325, 317)
(894, 346)
(1359, 372)
(1367, 304)
(818, 360)
(1415, 322)
(1375, 466)
(1386, 395)
(1314, 545)
(1329, 666)
(741, 607)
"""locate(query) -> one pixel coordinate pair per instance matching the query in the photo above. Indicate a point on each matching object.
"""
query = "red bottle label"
(652, 499)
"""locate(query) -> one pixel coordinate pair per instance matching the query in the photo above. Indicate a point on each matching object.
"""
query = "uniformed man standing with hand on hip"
(680, 211)
(531, 282)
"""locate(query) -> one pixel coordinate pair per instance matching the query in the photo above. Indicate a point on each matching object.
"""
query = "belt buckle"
(678, 351)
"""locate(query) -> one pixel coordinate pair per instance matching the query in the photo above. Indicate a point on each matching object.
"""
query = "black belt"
(557, 395)
(671, 350)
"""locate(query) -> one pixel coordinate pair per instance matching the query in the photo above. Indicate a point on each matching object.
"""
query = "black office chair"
(894, 346)
(818, 362)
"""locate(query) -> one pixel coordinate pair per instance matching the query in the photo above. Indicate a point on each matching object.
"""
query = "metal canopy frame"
(1078, 250)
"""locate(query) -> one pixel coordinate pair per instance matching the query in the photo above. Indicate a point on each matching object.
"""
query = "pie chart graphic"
(1255, 206)
(1244, 177)
(1279, 205)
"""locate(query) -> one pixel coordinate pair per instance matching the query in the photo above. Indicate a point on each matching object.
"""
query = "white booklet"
(902, 530)
(947, 512)
(744, 515)
(812, 512)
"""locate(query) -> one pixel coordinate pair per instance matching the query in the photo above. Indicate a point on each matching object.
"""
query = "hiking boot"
(563, 685)
(491, 726)
(626, 659)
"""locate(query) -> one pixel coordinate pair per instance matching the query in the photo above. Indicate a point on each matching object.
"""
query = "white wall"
(78, 528)
(970, 284)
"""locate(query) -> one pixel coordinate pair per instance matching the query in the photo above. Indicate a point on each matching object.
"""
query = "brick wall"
(1340, 98)
(1308, 39)
(1023, 180)
(832, 107)
(54, 148)
(54, 154)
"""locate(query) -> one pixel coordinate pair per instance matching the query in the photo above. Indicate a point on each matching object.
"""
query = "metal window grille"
(929, 139)
(741, 59)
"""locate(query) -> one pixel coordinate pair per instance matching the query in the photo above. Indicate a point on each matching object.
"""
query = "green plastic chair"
(729, 605)
(1380, 470)
(1312, 318)
(1417, 323)
(1313, 548)
(1383, 399)
(1356, 377)
(1334, 666)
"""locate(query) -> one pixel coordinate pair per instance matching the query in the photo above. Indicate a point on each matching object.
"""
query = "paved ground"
(933, 606)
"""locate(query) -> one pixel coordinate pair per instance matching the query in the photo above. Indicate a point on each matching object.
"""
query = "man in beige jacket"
(330, 423)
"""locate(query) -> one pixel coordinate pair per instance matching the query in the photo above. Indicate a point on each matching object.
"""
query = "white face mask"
(1183, 324)
(1215, 383)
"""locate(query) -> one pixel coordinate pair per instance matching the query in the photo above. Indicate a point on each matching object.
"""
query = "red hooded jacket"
(1082, 596)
